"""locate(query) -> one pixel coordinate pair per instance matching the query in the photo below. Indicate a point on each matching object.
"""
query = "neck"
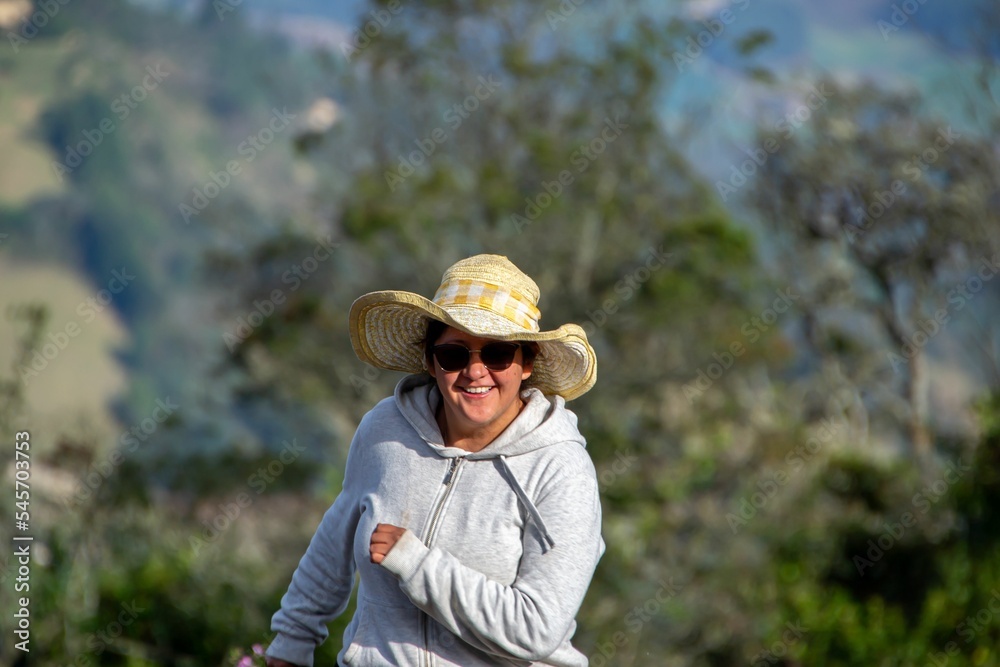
(475, 438)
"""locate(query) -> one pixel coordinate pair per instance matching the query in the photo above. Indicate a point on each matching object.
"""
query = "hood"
(544, 421)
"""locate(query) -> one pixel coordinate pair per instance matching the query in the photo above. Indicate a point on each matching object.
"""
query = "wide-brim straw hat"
(483, 295)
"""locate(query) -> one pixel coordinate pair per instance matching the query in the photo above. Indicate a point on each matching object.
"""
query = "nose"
(475, 368)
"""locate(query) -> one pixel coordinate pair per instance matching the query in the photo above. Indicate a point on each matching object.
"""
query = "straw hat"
(484, 295)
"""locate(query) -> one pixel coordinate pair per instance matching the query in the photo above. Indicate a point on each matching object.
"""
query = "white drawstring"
(528, 505)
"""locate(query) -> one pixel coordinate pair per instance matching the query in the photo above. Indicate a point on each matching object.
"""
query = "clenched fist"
(383, 539)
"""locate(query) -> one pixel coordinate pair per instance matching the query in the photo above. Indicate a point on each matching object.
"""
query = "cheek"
(443, 382)
(514, 378)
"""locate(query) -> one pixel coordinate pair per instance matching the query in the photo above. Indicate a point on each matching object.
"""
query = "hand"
(383, 539)
(275, 662)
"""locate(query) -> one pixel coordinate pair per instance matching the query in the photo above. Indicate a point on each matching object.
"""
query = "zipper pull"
(451, 471)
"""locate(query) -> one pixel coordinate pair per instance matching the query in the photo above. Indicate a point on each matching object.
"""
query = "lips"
(476, 391)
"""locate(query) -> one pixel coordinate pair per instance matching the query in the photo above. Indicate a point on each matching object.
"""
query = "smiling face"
(479, 403)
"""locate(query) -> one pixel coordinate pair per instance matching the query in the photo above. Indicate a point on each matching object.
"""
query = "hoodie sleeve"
(322, 583)
(532, 617)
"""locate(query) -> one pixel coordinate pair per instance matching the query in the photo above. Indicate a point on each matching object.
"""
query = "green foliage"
(30, 320)
(746, 505)
(123, 584)
(753, 41)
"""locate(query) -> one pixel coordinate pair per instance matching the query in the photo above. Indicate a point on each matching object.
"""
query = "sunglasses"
(452, 357)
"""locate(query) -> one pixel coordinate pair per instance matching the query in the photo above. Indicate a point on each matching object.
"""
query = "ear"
(527, 369)
(429, 367)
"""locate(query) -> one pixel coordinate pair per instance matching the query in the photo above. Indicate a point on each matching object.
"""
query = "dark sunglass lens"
(452, 357)
(498, 356)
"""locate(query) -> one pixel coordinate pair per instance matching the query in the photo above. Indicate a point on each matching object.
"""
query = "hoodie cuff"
(295, 651)
(405, 556)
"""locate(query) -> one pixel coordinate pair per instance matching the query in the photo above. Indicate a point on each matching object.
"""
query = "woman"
(470, 507)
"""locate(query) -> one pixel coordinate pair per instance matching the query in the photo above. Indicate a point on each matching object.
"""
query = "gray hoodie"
(499, 548)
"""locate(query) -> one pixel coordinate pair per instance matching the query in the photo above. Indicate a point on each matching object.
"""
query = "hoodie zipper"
(449, 480)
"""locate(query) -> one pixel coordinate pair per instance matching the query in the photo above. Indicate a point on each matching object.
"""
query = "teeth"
(476, 390)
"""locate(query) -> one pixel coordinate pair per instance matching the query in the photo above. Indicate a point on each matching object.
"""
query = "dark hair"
(529, 349)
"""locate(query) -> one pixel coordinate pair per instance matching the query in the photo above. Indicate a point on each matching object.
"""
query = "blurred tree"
(881, 216)
(537, 133)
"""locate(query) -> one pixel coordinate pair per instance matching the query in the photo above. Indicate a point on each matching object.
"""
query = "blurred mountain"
(138, 145)
(162, 95)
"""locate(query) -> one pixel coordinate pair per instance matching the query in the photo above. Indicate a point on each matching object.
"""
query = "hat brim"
(388, 327)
